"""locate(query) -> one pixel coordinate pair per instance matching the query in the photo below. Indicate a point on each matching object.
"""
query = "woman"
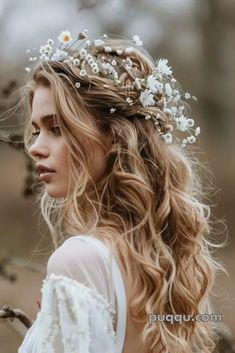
(121, 195)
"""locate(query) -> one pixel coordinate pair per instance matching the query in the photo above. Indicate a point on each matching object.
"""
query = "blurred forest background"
(198, 38)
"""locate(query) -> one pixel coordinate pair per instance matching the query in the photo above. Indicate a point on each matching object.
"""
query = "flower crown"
(160, 85)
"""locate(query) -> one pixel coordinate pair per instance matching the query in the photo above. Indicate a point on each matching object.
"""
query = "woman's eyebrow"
(45, 119)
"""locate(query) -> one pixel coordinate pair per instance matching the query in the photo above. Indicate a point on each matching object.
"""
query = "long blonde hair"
(151, 196)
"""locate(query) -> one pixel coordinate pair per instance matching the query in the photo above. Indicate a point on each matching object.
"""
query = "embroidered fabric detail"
(72, 318)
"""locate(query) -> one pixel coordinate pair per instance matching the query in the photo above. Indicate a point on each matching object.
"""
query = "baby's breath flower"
(167, 138)
(167, 111)
(187, 95)
(168, 89)
(88, 57)
(114, 63)
(137, 41)
(65, 37)
(112, 110)
(190, 122)
(191, 139)
(59, 55)
(197, 131)
(77, 84)
(50, 42)
(76, 62)
(82, 53)
(42, 49)
(107, 49)
(129, 50)
(48, 48)
(194, 98)
(83, 72)
(98, 42)
(146, 98)
(119, 52)
(91, 61)
(95, 69)
(129, 100)
(27, 69)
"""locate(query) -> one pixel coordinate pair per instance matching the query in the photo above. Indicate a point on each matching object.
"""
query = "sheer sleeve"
(78, 304)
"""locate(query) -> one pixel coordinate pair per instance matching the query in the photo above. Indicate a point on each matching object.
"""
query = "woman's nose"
(39, 150)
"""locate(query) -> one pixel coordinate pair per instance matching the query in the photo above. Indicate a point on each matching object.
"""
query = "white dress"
(82, 294)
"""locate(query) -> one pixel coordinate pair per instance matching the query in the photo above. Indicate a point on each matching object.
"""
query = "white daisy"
(146, 98)
(182, 123)
(137, 41)
(163, 67)
(65, 37)
(153, 84)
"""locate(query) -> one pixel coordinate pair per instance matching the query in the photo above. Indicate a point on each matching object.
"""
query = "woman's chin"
(55, 192)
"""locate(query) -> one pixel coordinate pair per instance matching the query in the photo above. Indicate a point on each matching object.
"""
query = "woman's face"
(50, 147)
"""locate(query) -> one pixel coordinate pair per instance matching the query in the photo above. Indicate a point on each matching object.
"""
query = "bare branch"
(8, 313)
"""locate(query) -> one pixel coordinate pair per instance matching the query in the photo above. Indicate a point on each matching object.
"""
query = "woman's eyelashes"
(55, 130)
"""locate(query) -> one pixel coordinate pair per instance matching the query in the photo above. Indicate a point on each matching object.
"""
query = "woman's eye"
(55, 130)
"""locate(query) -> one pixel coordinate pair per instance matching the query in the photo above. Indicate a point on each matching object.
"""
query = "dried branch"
(8, 313)
(16, 141)
(17, 261)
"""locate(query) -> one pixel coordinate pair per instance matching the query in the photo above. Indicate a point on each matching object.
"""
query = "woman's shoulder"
(76, 252)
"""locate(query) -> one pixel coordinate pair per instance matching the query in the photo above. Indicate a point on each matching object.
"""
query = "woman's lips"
(45, 176)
